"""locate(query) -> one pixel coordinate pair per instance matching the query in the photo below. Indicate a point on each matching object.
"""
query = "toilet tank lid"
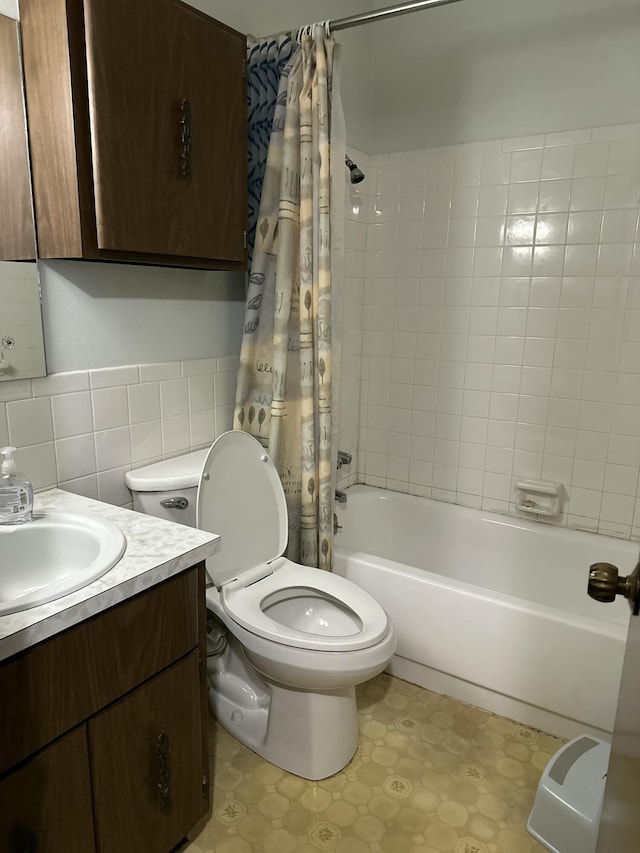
(180, 472)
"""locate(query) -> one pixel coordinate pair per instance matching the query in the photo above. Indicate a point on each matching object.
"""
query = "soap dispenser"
(16, 492)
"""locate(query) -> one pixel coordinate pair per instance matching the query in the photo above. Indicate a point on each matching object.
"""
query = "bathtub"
(491, 609)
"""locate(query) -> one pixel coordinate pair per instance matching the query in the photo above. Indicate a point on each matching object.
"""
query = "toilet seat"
(244, 604)
(240, 497)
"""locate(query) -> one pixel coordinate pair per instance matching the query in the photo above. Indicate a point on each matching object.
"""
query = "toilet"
(288, 643)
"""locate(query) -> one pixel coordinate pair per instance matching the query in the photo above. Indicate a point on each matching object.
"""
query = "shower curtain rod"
(388, 12)
(366, 17)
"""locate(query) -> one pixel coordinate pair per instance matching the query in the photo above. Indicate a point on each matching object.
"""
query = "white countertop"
(156, 550)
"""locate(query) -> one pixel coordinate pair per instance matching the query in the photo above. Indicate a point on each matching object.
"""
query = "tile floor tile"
(431, 775)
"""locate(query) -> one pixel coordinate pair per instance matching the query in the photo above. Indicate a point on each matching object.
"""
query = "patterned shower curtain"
(266, 60)
(284, 391)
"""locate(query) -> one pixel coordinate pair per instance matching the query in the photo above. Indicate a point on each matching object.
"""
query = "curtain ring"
(307, 30)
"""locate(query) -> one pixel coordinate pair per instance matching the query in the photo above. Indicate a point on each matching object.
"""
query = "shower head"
(357, 175)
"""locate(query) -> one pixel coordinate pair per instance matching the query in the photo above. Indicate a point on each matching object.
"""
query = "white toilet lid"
(245, 606)
(240, 496)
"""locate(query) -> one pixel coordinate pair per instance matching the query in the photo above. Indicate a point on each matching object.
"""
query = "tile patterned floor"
(431, 775)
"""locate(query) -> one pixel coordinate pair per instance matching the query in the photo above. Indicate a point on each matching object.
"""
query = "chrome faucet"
(344, 458)
(341, 497)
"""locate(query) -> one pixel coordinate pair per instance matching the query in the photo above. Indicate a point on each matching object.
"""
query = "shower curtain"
(284, 391)
(266, 61)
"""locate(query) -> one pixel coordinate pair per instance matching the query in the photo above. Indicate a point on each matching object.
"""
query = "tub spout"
(341, 497)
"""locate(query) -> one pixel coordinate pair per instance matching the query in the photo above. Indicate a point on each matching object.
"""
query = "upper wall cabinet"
(137, 127)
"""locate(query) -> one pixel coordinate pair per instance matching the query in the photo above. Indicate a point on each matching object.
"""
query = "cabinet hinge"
(244, 238)
(205, 785)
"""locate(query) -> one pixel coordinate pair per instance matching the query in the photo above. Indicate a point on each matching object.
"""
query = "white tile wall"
(497, 303)
(84, 430)
(358, 215)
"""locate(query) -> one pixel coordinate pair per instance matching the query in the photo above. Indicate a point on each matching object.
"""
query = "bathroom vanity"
(103, 718)
(137, 126)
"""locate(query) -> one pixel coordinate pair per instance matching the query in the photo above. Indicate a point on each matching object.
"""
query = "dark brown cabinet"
(103, 746)
(46, 804)
(137, 125)
(147, 764)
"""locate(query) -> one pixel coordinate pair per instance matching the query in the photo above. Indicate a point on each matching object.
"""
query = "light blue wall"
(103, 315)
(487, 69)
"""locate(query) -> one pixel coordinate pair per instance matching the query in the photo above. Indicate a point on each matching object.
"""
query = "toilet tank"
(168, 489)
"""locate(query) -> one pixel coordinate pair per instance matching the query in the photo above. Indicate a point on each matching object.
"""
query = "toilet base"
(310, 734)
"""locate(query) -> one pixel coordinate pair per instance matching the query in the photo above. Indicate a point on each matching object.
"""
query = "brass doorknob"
(605, 583)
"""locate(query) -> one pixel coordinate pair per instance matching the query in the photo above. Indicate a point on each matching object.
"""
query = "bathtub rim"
(617, 629)
(493, 698)
(617, 614)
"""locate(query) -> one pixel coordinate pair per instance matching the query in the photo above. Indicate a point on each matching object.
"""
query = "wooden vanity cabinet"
(103, 729)
(137, 126)
(46, 803)
(148, 738)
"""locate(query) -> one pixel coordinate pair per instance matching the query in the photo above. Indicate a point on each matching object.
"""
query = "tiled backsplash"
(495, 291)
(83, 430)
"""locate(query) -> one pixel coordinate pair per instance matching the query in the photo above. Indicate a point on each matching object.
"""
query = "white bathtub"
(491, 609)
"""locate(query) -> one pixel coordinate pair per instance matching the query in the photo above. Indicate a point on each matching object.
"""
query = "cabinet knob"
(185, 138)
(164, 772)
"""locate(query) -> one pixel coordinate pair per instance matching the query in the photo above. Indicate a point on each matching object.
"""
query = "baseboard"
(489, 700)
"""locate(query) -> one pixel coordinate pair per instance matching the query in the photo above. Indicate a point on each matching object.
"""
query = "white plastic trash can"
(568, 805)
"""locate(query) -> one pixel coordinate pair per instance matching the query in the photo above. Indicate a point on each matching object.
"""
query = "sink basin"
(53, 555)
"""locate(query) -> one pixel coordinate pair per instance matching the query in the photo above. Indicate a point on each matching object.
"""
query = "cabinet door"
(68, 678)
(146, 760)
(165, 84)
(45, 805)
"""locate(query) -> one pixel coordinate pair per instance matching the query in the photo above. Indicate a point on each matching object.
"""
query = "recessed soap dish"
(537, 497)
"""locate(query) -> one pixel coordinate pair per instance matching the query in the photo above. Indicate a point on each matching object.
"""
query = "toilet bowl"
(292, 641)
